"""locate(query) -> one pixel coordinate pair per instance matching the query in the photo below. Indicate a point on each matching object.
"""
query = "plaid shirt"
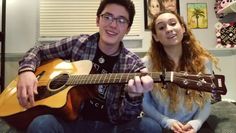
(120, 106)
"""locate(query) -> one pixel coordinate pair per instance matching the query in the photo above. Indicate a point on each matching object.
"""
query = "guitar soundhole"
(58, 81)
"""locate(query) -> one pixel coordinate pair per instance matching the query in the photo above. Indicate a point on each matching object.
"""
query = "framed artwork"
(197, 15)
(152, 7)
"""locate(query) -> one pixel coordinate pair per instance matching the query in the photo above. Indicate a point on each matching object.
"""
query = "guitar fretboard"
(114, 78)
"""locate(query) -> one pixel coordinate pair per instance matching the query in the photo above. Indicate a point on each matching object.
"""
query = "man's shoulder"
(86, 37)
(131, 54)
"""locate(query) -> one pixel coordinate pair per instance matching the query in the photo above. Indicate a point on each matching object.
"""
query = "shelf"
(223, 51)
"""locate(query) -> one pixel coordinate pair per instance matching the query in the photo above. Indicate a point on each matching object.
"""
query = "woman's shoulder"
(207, 64)
(146, 60)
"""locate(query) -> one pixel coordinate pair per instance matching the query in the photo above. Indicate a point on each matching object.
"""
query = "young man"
(116, 107)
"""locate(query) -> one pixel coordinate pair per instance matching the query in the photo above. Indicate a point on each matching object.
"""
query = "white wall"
(22, 25)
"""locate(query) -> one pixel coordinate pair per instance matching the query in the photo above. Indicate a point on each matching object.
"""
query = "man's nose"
(113, 23)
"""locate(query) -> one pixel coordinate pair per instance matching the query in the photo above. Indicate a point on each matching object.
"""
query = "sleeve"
(150, 110)
(208, 67)
(201, 116)
(42, 52)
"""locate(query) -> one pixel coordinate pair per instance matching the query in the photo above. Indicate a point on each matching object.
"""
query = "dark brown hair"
(127, 4)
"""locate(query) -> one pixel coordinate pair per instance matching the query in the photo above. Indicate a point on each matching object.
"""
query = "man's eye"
(107, 17)
(122, 20)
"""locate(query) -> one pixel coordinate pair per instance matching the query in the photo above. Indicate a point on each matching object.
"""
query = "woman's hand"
(188, 129)
(176, 127)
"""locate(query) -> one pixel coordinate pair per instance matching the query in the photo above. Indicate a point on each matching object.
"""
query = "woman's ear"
(184, 29)
(155, 37)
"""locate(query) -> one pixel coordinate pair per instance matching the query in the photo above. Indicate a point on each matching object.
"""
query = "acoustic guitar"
(63, 86)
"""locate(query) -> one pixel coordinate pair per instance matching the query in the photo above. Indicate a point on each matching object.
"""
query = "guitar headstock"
(201, 82)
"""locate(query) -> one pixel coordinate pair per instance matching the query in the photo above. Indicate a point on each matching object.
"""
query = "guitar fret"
(121, 75)
(78, 79)
(127, 76)
(110, 78)
(114, 78)
(86, 80)
(81, 79)
(94, 77)
(99, 79)
(104, 79)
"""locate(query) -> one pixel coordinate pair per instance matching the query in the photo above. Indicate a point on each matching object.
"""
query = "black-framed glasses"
(109, 18)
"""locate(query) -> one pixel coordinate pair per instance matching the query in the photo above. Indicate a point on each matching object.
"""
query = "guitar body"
(63, 101)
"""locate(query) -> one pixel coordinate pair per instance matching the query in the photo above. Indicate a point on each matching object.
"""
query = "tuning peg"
(185, 73)
(203, 80)
(163, 86)
(213, 86)
(199, 83)
(187, 92)
(200, 94)
(199, 74)
(185, 81)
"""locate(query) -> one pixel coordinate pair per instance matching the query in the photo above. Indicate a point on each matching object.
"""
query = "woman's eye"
(173, 23)
(161, 27)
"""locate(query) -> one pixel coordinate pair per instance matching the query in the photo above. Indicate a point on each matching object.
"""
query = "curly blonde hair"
(193, 60)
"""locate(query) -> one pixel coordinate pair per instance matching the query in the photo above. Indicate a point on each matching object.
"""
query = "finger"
(178, 127)
(144, 70)
(131, 86)
(31, 95)
(19, 91)
(23, 98)
(187, 127)
(147, 83)
(180, 124)
(36, 87)
(138, 85)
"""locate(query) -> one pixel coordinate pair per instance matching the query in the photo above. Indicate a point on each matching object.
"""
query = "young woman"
(174, 48)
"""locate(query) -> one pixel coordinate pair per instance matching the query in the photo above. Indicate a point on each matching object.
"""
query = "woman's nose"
(169, 28)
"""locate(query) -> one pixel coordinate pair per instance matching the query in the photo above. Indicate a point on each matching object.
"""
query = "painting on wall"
(197, 15)
(152, 7)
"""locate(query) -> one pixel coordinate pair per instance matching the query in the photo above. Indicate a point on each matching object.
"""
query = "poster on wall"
(197, 17)
(152, 7)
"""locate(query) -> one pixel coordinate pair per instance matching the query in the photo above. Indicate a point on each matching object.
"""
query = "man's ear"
(155, 37)
(128, 30)
(97, 21)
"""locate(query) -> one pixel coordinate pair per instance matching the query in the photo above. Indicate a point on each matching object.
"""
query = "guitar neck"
(114, 78)
(202, 82)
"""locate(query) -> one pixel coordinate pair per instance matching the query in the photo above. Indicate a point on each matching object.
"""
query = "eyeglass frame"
(109, 21)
